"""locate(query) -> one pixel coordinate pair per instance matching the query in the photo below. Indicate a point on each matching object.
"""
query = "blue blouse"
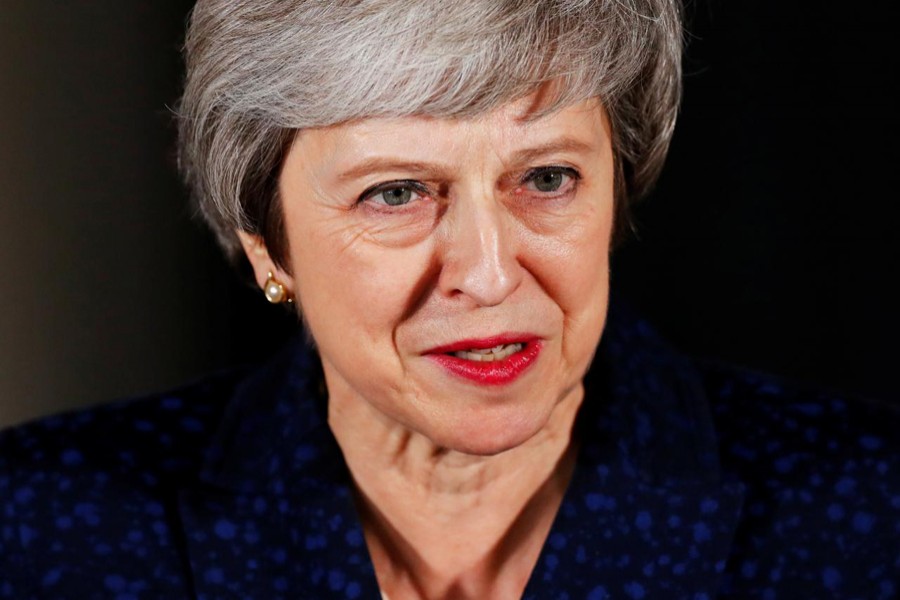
(693, 480)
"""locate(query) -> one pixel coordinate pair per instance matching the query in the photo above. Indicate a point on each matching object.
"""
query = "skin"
(457, 482)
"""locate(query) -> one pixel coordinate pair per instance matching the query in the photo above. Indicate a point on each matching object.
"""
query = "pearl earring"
(274, 291)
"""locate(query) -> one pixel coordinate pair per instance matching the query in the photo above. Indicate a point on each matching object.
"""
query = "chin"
(490, 432)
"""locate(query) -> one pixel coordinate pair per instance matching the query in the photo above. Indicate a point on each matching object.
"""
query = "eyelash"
(381, 188)
(570, 172)
(421, 190)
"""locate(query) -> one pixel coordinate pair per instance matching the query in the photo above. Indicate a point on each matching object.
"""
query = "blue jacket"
(693, 481)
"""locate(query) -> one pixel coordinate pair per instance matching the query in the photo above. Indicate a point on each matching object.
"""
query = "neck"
(442, 524)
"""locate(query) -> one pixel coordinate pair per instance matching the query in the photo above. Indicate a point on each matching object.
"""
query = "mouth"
(499, 360)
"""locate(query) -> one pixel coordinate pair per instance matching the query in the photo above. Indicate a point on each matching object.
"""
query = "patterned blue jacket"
(693, 481)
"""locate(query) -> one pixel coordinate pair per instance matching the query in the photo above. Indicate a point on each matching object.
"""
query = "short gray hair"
(260, 70)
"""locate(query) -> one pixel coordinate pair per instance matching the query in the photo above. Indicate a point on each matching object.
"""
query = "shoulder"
(789, 430)
(822, 479)
(79, 487)
(135, 437)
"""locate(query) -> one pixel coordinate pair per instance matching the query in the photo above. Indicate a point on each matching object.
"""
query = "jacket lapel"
(264, 546)
(620, 538)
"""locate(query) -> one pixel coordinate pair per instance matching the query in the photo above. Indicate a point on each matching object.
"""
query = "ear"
(262, 263)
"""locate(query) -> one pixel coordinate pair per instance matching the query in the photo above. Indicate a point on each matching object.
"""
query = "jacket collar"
(648, 454)
(647, 511)
(273, 515)
(274, 437)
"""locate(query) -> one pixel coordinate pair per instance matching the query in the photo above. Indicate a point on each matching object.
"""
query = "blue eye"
(550, 179)
(396, 193)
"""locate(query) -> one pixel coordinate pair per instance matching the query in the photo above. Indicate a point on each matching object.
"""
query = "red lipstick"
(494, 372)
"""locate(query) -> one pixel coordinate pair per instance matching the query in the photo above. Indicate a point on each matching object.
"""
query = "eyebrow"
(381, 163)
(564, 144)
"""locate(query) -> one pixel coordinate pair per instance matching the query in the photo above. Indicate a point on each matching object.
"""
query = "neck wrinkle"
(439, 522)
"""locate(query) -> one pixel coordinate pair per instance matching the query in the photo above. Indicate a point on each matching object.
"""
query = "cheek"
(574, 270)
(348, 287)
(575, 264)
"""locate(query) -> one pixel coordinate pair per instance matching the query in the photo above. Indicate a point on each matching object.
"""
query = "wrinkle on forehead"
(432, 140)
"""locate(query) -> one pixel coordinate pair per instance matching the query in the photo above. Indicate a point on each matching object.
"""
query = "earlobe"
(266, 272)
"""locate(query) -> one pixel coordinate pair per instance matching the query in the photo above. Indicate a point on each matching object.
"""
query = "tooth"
(491, 354)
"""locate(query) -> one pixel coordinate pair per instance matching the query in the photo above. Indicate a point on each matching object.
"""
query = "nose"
(479, 254)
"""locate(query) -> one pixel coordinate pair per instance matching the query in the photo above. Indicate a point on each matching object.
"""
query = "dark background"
(769, 241)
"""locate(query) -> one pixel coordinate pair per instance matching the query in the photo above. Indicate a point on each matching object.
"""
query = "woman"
(435, 188)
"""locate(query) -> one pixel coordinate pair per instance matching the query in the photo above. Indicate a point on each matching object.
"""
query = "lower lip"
(497, 372)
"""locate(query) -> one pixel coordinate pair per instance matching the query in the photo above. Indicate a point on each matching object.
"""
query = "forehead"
(505, 130)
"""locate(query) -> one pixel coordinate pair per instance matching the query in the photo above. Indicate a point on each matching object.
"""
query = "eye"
(395, 193)
(550, 179)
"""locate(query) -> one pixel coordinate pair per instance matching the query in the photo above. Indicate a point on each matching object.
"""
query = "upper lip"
(484, 343)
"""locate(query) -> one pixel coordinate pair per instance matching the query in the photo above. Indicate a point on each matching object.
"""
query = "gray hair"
(259, 70)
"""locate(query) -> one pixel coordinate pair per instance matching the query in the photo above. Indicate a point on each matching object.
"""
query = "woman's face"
(418, 244)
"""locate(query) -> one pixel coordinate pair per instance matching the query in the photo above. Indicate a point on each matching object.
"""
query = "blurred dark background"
(769, 241)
